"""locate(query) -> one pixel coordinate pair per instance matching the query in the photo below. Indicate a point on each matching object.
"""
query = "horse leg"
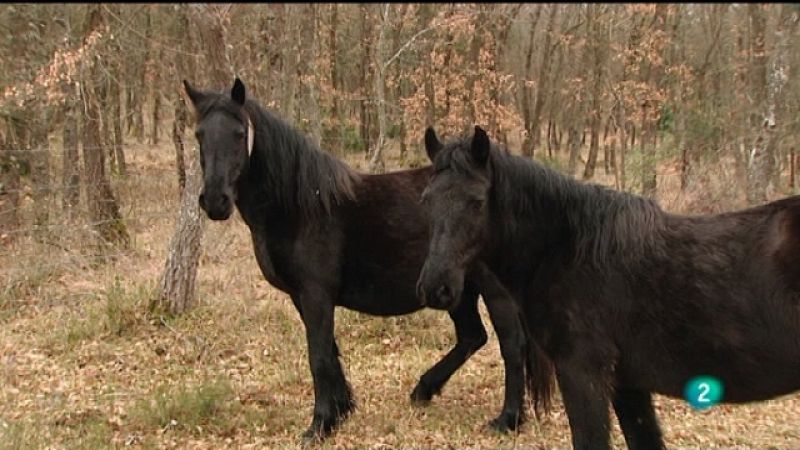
(585, 389)
(332, 396)
(470, 335)
(637, 418)
(505, 319)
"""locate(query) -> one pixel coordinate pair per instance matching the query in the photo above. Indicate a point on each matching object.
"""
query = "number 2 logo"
(704, 390)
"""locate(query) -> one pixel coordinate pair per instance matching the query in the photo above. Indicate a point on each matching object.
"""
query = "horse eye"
(239, 134)
(476, 204)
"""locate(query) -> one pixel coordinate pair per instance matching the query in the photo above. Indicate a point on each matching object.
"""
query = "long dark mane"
(291, 171)
(298, 175)
(602, 222)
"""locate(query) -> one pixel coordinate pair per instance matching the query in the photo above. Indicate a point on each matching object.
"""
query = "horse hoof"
(310, 438)
(504, 423)
(421, 396)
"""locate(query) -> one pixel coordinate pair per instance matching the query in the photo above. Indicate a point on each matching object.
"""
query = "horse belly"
(758, 370)
(369, 296)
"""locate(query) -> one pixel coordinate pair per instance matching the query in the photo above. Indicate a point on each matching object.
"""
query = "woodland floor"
(83, 366)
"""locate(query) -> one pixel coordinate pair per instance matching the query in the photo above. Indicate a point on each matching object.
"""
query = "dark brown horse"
(626, 299)
(329, 237)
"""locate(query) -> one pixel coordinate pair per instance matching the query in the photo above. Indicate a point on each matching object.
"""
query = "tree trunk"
(612, 157)
(115, 108)
(608, 150)
(759, 160)
(574, 145)
(594, 149)
(70, 160)
(776, 82)
(623, 145)
(473, 67)
(652, 108)
(9, 181)
(156, 117)
(139, 95)
(336, 127)
(376, 164)
(500, 27)
(598, 54)
(313, 103)
(119, 151)
(183, 64)
(212, 21)
(543, 78)
(178, 290)
(527, 89)
(365, 71)
(178, 132)
(103, 207)
(40, 168)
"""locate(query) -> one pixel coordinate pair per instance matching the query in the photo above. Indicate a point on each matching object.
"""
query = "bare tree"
(103, 206)
(70, 170)
(651, 106)
(183, 65)
(376, 161)
(543, 78)
(178, 291)
(597, 37)
(9, 177)
(760, 163)
(777, 79)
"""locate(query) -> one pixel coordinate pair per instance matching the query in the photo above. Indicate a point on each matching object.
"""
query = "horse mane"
(603, 222)
(290, 170)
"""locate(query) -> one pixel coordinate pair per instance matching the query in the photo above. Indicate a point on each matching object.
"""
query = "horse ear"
(237, 93)
(195, 95)
(432, 144)
(480, 146)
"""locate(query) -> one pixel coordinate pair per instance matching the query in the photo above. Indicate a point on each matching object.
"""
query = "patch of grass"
(24, 284)
(122, 306)
(86, 430)
(209, 407)
(115, 311)
(20, 436)
(80, 329)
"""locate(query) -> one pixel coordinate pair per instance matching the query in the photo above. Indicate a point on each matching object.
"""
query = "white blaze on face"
(251, 136)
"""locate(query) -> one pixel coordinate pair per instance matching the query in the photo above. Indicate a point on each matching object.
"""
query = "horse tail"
(539, 375)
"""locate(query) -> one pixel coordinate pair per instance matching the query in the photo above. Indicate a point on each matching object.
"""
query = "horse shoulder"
(785, 245)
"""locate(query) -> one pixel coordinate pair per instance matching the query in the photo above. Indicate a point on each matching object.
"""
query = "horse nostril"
(442, 292)
(226, 199)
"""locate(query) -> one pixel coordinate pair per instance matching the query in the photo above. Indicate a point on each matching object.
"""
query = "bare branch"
(405, 46)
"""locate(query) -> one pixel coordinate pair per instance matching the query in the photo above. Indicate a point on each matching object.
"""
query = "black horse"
(626, 299)
(328, 236)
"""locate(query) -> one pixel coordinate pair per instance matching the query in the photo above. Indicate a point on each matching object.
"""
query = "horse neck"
(552, 213)
(288, 175)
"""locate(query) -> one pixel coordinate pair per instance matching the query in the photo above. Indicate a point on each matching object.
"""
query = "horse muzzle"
(217, 207)
(439, 291)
